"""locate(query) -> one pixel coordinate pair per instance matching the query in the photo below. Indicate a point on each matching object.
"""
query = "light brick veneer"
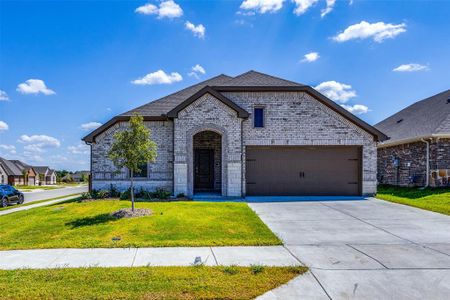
(291, 118)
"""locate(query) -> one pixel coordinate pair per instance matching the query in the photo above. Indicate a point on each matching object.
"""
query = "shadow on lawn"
(90, 221)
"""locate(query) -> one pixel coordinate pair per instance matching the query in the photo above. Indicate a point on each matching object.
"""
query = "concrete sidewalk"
(133, 257)
(27, 207)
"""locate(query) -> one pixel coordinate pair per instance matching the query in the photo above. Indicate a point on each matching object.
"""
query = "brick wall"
(410, 167)
(160, 173)
(296, 118)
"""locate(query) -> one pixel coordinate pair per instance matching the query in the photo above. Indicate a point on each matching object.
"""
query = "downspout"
(427, 179)
(242, 158)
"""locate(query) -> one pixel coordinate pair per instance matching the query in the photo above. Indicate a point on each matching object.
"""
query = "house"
(16, 172)
(253, 134)
(418, 151)
(46, 176)
(80, 176)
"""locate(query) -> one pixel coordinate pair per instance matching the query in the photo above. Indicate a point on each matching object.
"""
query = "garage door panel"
(303, 171)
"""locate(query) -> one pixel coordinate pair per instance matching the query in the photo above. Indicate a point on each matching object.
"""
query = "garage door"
(295, 171)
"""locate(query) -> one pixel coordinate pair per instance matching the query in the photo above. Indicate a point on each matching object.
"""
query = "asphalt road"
(42, 195)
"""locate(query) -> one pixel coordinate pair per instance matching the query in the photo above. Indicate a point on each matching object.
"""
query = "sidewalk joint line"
(348, 245)
(134, 257)
(214, 255)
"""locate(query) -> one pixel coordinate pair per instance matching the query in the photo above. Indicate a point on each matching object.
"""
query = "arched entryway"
(207, 162)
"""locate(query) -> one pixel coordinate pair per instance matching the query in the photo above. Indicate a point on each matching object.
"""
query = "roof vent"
(399, 121)
(448, 101)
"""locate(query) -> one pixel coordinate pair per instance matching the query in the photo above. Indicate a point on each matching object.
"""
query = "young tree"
(131, 148)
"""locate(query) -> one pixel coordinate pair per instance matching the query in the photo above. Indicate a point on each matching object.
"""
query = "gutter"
(411, 140)
(427, 180)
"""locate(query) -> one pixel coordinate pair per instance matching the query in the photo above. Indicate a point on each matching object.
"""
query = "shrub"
(256, 269)
(94, 194)
(125, 195)
(113, 191)
(161, 193)
(85, 196)
(102, 194)
(181, 195)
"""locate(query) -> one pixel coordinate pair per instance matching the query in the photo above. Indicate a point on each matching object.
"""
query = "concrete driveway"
(367, 249)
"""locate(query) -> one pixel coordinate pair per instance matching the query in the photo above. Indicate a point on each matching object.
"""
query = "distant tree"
(131, 148)
(84, 177)
(60, 174)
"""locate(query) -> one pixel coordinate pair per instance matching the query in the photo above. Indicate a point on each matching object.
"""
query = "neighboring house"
(17, 172)
(78, 176)
(253, 134)
(46, 176)
(418, 151)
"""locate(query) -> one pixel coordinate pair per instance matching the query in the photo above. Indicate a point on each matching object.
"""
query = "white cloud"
(262, 6)
(356, 109)
(197, 30)
(32, 157)
(3, 96)
(158, 77)
(328, 9)
(336, 91)
(310, 57)
(10, 149)
(378, 31)
(410, 68)
(34, 148)
(79, 149)
(197, 70)
(166, 9)
(34, 86)
(90, 125)
(301, 6)
(3, 126)
(41, 140)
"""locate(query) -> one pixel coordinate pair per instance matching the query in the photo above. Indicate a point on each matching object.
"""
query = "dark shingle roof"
(253, 78)
(424, 118)
(10, 167)
(41, 169)
(164, 105)
(162, 108)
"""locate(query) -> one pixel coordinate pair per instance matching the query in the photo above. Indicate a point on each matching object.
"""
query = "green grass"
(36, 187)
(35, 202)
(434, 199)
(75, 224)
(143, 283)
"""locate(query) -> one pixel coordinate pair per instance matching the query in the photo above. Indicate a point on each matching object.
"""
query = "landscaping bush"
(125, 195)
(113, 191)
(181, 195)
(102, 194)
(85, 196)
(161, 193)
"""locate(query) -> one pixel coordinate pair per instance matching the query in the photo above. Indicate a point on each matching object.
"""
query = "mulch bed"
(128, 213)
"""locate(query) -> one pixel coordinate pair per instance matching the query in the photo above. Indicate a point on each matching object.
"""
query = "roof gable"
(242, 113)
(253, 78)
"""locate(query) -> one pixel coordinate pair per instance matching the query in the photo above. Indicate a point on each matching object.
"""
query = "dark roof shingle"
(421, 119)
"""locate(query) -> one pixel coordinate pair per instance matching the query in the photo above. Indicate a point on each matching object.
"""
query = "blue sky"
(83, 57)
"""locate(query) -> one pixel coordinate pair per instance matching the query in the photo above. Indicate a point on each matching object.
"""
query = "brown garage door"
(294, 171)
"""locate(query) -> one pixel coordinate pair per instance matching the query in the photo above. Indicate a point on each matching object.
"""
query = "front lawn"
(27, 188)
(144, 282)
(434, 199)
(89, 225)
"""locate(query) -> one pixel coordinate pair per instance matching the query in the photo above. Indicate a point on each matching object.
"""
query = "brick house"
(418, 151)
(253, 134)
(16, 172)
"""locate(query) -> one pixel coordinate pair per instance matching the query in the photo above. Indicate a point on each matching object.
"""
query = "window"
(258, 117)
(142, 173)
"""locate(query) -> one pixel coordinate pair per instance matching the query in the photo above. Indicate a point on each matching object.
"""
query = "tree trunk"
(132, 192)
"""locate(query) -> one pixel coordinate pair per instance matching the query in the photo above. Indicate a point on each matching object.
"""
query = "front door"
(203, 169)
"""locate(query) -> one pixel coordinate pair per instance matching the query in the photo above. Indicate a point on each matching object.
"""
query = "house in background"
(249, 135)
(17, 172)
(418, 151)
(46, 176)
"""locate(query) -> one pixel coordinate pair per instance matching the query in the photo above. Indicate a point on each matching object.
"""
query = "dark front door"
(203, 169)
